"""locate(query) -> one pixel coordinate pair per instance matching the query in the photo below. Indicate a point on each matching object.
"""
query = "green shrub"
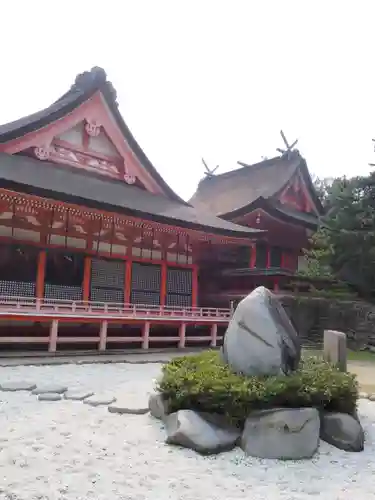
(204, 383)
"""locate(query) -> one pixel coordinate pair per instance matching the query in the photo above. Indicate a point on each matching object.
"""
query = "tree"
(344, 245)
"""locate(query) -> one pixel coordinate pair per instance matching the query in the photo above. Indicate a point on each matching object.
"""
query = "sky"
(216, 79)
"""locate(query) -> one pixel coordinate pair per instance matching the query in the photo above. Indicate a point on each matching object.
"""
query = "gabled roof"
(227, 194)
(27, 175)
(85, 86)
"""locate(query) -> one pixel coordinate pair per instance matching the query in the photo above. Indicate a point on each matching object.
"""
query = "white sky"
(211, 78)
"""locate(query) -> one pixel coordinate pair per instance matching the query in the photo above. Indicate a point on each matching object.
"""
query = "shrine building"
(98, 252)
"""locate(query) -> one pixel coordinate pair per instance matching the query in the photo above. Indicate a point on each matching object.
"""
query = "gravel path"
(69, 451)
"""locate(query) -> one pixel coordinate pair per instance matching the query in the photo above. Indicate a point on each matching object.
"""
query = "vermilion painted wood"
(40, 274)
(93, 110)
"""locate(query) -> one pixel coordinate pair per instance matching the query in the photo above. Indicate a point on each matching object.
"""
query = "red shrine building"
(98, 251)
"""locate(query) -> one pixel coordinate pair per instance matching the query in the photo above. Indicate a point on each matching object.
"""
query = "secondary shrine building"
(94, 245)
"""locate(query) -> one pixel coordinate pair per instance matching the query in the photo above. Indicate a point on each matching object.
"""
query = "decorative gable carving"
(296, 196)
(86, 146)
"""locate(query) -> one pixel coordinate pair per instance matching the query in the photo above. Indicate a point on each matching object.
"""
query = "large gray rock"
(343, 431)
(260, 339)
(158, 406)
(282, 433)
(188, 429)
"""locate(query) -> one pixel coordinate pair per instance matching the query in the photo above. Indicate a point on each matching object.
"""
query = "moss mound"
(204, 383)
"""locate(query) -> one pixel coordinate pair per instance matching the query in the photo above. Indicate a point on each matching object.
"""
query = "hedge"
(205, 383)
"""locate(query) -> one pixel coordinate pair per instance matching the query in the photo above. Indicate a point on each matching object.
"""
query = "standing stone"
(282, 433)
(260, 339)
(343, 431)
(334, 350)
(188, 429)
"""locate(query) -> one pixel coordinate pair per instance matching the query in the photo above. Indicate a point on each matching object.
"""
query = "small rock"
(363, 395)
(372, 397)
(77, 395)
(49, 396)
(59, 389)
(17, 386)
(131, 404)
(282, 433)
(158, 406)
(343, 431)
(97, 400)
(188, 429)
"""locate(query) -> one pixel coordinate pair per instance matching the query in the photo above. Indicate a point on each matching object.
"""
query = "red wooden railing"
(30, 306)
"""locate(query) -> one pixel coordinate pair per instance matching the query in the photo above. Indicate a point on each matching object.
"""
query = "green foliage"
(344, 245)
(204, 383)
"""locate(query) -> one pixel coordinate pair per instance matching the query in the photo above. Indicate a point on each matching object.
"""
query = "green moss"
(204, 383)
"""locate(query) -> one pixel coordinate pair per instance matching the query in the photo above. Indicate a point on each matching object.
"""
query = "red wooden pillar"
(40, 274)
(128, 281)
(282, 263)
(268, 256)
(86, 278)
(253, 256)
(163, 284)
(194, 287)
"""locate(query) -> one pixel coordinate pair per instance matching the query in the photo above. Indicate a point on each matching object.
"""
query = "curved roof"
(27, 175)
(228, 193)
(85, 86)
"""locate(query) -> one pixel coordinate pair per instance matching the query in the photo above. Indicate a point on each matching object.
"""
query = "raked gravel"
(67, 450)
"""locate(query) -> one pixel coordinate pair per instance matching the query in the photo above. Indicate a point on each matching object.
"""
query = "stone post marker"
(334, 349)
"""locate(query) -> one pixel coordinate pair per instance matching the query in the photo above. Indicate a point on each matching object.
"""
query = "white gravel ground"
(68, 450)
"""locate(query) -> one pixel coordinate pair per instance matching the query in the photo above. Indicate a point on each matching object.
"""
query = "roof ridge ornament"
(210, 172)
(96, 78)
(289, 148)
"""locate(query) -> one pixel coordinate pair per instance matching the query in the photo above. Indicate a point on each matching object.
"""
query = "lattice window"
(261, 256)
(107, 274)
(107, 280)
(63, 292)
(179, 287)
(17, 288)
(275, 256)
(107, 295)
(145, 298)
(178, 300)
(146, 280)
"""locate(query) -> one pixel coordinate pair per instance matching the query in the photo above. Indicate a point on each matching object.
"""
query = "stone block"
(188, 429)
(50, 396)
(342, 431)
(282, 433)
(334, 350)
(14, 386)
